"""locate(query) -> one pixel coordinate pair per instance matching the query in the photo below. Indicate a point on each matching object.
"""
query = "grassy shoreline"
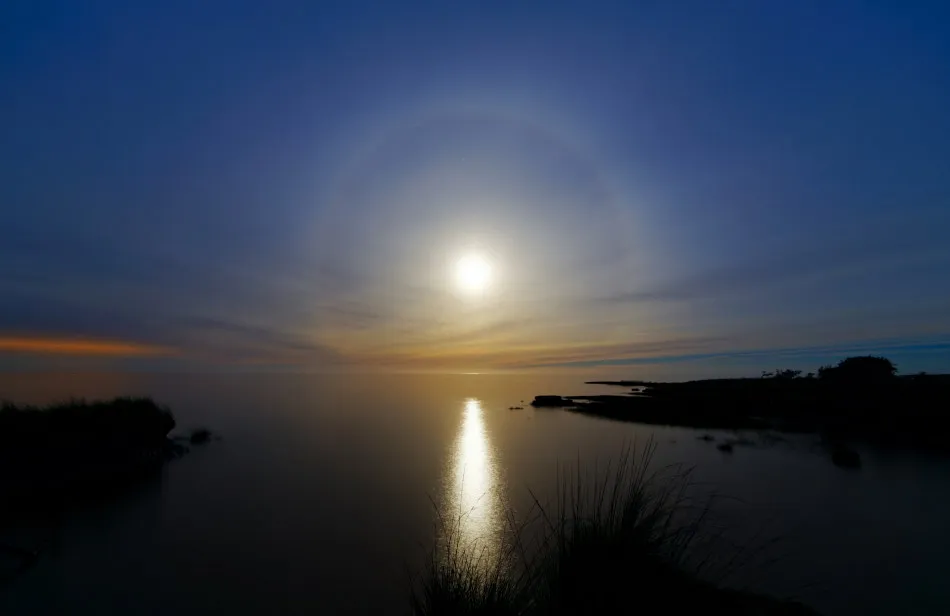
(625, 540)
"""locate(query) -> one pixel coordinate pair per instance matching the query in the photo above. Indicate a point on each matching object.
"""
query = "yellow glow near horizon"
(473, 273)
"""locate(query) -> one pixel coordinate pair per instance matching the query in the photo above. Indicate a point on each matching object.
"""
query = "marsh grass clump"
(620, 539)
(465, 582)
(487, 575)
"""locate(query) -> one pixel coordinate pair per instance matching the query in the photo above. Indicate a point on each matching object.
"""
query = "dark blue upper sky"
(730, 184)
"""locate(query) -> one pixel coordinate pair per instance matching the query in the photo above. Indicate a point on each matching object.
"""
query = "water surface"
(319, 498)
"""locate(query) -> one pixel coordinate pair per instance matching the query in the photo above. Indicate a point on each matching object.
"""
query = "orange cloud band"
(78, 346)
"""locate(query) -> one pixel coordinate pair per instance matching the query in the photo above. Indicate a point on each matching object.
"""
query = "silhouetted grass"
(464, 579)
(474, 577)
(623, 540)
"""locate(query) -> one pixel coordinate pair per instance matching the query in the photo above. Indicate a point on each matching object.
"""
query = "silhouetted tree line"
(863, 369)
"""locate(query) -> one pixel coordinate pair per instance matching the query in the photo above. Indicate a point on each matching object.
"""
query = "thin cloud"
(786, 270)
(241, 342)
(50, 345)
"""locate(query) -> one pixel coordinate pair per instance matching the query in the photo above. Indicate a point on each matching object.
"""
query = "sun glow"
(473, 273)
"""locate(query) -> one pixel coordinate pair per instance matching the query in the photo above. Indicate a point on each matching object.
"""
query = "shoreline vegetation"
(624, 540)
(860, 398)
(58, 457)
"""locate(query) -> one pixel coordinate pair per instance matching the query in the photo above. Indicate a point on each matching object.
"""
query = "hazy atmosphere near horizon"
(653, 188)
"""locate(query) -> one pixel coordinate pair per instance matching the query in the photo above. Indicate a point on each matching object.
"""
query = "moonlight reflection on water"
(475, 514)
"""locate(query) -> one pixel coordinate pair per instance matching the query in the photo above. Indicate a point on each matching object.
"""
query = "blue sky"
(290, 183)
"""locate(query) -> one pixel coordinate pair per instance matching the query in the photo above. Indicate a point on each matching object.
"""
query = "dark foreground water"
(319, 498)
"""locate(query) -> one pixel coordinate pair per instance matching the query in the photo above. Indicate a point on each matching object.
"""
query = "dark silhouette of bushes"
(781, 374)
(868, 370)
(52, 456)
(57, 457)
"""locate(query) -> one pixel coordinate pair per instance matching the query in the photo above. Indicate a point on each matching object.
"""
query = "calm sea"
(320, 497)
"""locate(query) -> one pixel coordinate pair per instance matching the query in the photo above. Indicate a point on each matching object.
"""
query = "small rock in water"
(845, 457)
(706, 437)
(200, 436)
(724, 447)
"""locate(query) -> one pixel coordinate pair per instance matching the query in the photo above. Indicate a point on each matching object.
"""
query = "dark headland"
(860, 397)
(58, 457)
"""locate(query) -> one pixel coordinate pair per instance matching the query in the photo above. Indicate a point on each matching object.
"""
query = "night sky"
(725, 186)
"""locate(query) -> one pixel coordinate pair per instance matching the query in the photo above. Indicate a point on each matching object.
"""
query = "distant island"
(860, 397)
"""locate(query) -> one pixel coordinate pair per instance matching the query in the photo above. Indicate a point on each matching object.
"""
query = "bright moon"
(473, 273)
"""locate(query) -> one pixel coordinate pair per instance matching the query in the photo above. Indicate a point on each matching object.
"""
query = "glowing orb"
(473, 273)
